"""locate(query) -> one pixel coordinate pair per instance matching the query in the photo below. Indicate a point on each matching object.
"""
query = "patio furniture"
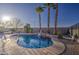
(68, 37)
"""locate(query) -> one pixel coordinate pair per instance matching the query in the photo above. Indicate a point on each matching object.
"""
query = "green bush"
(27, 28)
(76, 36)
(57, 33)
(30, 30)
(60, 36)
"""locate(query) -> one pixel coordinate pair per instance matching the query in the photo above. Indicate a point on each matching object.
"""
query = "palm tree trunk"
(48, 17)
(56, 17)
(39, 22)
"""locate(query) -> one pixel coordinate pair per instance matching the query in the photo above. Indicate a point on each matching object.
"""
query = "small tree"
(16, 23)
(27, 28)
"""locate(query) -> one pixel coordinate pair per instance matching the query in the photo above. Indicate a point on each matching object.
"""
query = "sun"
(6, 18)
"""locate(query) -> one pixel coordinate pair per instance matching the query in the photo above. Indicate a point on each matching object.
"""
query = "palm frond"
(39, 9)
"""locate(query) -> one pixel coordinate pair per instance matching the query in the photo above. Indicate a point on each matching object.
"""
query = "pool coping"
(11, 47)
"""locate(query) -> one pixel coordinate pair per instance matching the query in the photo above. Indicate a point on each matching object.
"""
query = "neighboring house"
(74, 29)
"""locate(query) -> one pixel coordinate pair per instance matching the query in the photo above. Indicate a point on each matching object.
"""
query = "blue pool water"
(34, 41)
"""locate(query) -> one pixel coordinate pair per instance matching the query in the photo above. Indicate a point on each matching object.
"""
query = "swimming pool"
(34, 41)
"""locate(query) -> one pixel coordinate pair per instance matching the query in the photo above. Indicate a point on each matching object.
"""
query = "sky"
(68, 14)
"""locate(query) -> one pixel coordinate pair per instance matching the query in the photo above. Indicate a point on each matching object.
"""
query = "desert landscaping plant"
(27, 28)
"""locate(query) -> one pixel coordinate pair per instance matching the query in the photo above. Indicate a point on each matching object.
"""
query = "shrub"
(27, 28)
(76, 36)
(60, 36)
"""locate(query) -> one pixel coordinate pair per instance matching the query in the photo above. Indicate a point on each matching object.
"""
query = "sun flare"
(6, 18)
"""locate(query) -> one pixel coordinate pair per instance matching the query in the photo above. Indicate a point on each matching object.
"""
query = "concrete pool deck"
(10, 47)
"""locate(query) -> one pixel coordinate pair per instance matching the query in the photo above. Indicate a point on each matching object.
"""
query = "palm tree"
(56, 17)
(39, 10)
(49, 5)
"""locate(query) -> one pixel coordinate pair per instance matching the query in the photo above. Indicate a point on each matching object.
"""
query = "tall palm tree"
(49, 5)
(39, 10)
(56, 17)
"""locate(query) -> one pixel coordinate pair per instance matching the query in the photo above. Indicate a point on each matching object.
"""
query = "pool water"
(34, 41)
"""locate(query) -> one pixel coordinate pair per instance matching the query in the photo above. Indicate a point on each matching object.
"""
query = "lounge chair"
(68, 37)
